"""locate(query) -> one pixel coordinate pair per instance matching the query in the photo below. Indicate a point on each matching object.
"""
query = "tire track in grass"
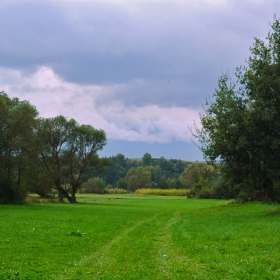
(101, 256)
(171, 263)
(166, 252)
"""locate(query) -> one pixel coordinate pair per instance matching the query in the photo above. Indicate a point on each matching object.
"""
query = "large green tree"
(241, 127)
(81, 156)
(116, 170)
(195, 172)
(17, 126)
(147, 159)
(67, 152)
(141, 177)
(52, 137)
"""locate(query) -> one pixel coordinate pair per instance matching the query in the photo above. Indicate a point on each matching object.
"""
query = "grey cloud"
(140, 53)
(165, 93)
(107, 69)
(177, 49)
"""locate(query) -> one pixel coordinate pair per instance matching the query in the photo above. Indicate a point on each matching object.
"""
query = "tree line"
(57, 155)
(158, 173)
(40, 155)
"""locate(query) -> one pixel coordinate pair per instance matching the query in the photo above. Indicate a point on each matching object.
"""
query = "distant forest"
(201, 179)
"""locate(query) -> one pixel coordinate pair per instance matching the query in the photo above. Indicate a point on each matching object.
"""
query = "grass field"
(140, 237)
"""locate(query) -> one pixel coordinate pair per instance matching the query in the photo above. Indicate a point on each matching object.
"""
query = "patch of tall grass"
(31, 198)
(169, 192)
(116, 191)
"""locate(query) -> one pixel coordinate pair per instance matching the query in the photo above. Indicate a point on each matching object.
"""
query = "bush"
(219, 188)
(116, 191)
(193, 174)
(121, 184)
(222, 188)
(202, 188)
(94, 185)
(169, 192)
(35, 199)
(12, 193)
(205, 193)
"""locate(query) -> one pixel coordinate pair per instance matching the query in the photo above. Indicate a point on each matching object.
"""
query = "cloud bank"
(140, 70)
(52, 96)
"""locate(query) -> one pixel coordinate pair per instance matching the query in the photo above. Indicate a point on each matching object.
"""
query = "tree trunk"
(74, 200)
(60, 195)
(268, 184)
(67, 196)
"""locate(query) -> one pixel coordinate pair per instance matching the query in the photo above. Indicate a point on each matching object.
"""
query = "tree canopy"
(17, 124)
(67, 151)
(43, 153)
(241, 127)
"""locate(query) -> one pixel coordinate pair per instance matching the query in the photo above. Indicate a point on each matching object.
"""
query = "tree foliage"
(116, 170)
(137, 178)
(147, 159)
(94, 185)
(17, 123)
(195, 173)
(46, 154)
(241, 127)
(38, 154)
(67, 152)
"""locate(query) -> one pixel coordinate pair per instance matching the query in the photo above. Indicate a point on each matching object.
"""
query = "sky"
(141, 70)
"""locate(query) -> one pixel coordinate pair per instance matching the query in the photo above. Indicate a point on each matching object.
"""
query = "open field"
(140, 237)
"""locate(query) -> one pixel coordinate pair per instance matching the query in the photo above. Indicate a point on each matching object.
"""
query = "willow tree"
(241, 126)
(67, 151)
(81, 156)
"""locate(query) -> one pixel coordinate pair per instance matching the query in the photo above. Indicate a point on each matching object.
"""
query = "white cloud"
(53, 96)
(150, 123)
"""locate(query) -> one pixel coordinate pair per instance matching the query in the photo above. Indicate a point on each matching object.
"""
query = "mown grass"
(140, 237)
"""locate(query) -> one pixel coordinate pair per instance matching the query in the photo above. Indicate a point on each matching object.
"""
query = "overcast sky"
(140, 70)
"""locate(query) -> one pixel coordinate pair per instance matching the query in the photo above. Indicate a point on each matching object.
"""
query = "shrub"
(94, 185)
(13, 193)
(222, 188)
(139, 178)
(169, 192)
(33, 199)
(116, 191)
(202, 188)
(205, 193)
(121, 184)
(193, 174)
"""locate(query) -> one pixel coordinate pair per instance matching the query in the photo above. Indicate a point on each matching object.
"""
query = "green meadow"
(140, 237)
